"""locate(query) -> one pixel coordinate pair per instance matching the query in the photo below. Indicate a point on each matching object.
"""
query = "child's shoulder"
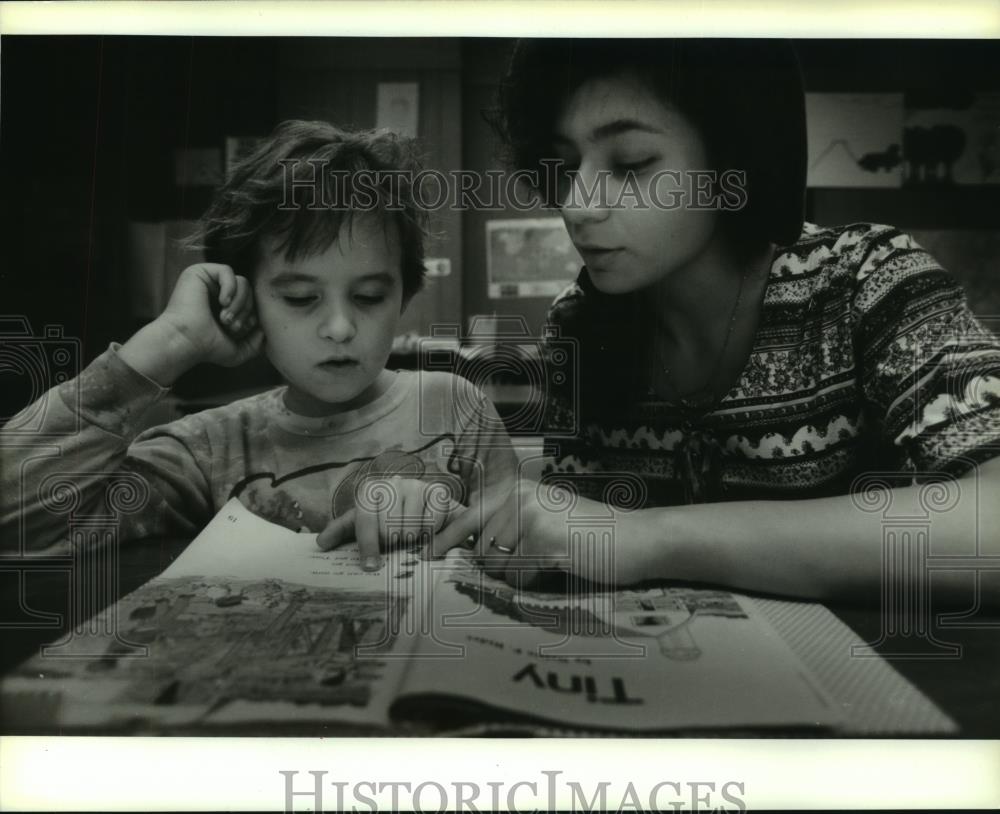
(241, 412)
(447, 401)
(444, 385)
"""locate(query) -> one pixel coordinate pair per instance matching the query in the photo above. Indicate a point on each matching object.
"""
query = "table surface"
(965, 686)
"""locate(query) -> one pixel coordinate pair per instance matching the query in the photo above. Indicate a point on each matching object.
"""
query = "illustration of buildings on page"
(252, 622)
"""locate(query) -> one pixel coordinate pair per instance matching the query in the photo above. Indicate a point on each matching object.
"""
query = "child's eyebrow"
(613, 128)
(376, 277)
(287, 277)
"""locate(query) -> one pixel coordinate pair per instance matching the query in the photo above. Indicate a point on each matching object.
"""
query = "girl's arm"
(825, 548)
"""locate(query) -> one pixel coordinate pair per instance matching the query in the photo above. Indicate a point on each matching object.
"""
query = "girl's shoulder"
(863, 260)
(568, 300)
(856, 249)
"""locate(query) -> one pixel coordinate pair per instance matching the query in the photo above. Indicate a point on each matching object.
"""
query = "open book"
(253, 624)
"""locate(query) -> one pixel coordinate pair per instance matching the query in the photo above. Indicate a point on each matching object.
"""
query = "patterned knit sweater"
(867, 358)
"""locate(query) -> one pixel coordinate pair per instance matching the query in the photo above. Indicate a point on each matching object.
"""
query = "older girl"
(754, 376)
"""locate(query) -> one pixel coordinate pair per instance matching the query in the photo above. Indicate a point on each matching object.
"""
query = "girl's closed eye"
(636, 165)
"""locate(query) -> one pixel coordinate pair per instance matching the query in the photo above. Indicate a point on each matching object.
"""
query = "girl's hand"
(524, 527)
(391, 513)
(211, 311)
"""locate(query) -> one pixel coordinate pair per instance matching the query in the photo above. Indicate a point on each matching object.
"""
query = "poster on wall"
(854, 139)
(951, 137)
(529, 258)
(397, 106)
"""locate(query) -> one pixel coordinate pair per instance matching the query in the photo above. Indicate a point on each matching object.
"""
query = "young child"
(312, 256)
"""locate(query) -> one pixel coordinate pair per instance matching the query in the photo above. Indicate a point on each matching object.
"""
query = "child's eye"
(369, 299)
(300, 302)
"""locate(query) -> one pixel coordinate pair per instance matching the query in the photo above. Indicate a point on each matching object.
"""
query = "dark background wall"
(89, 125)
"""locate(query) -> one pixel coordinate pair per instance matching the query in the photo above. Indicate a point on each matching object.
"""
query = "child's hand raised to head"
(213, 309)
(390, 513)
(210, 317)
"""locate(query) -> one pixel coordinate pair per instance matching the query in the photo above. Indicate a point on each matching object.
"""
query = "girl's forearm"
(827, 548)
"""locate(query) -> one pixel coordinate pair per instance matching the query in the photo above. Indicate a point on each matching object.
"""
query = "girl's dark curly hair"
(302, 184)
(745, 98)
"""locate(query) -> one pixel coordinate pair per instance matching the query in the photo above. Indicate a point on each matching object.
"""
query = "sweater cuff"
(111, 395)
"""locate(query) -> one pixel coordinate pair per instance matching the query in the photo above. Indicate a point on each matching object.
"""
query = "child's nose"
(337, 325)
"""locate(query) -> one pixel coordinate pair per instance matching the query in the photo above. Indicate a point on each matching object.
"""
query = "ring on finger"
(499, 547)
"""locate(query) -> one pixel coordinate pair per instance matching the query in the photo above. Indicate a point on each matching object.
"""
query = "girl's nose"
(586, 199)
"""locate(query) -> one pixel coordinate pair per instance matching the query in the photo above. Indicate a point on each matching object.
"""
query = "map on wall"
(529, 258)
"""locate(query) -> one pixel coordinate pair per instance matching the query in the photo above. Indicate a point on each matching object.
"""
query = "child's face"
(329, 319)
(613, 126)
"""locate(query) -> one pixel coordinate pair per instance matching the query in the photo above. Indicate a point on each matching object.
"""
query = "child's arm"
(188, 332)
(83, 444)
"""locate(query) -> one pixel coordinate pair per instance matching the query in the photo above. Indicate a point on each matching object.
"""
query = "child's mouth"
(338, 364)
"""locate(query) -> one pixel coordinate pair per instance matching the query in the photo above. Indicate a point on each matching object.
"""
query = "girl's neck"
(693, 301)
(704, 327)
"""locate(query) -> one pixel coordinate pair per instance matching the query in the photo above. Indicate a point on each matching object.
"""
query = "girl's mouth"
(597, 256)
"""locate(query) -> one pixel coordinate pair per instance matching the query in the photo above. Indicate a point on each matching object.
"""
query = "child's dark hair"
(745, 98)
(302, 184)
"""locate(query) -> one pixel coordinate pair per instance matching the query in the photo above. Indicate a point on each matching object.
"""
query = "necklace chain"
(699, 398)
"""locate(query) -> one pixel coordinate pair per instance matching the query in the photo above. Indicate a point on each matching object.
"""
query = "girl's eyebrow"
(613, 128)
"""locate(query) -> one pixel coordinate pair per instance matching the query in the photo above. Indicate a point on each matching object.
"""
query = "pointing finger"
(367, 528)
(338, 531)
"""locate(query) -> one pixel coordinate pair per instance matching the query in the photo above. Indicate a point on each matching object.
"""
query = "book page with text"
(657, 659)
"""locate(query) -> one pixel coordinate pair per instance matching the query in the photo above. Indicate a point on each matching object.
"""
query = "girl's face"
(628, 192)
